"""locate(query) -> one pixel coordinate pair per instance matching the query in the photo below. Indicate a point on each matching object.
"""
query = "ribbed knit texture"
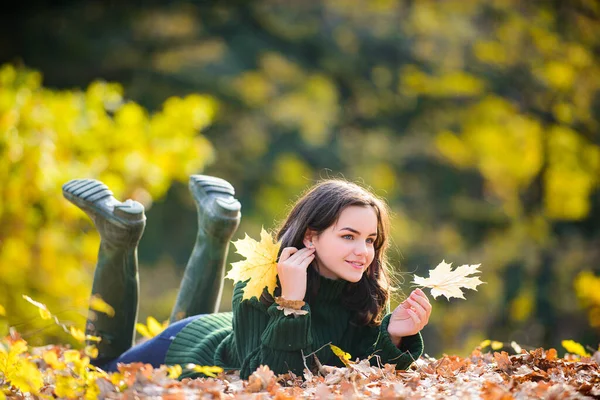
(255, 334)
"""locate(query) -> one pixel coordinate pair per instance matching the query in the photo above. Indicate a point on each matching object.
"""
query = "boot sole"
(89, 195)
(204, 186)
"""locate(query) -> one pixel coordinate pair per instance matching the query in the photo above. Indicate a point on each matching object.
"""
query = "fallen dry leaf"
(503, 361)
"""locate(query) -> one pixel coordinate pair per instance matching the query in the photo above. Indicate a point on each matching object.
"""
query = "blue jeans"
(153, 351)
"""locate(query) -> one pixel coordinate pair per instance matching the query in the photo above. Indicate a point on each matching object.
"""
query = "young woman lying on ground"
(333, 257)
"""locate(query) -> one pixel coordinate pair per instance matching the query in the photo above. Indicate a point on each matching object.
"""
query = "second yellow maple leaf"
(447, 282)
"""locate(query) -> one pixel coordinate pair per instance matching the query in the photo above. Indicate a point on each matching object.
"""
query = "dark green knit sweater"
(255, 334)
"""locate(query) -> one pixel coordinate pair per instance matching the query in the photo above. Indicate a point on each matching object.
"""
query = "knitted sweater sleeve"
(377, 342)
(410, 349)
(265, 336)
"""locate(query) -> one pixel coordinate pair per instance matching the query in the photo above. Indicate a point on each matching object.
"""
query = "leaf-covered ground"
(539, 373)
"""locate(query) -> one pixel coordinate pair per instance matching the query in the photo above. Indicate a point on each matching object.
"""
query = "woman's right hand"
(291, 269)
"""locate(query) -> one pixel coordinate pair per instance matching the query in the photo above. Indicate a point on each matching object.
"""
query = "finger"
(418, 308)
(416, 320)
(306, 262)
(300, 255)
(286, 253)
(400, 311)
(422, 301)
(404, 304)
(419, 293)
(422, 314)
(422, 298)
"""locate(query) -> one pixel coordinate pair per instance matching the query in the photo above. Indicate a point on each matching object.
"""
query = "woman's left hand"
(410, 316)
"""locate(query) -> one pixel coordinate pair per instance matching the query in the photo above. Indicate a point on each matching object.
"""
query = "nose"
(360, 248)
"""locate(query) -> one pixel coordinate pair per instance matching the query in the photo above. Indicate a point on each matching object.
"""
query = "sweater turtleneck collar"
(330, 290)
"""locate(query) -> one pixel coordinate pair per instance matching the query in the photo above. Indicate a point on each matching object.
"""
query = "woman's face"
(346, 248)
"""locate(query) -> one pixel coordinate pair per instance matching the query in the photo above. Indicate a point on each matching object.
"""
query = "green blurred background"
(477, 120)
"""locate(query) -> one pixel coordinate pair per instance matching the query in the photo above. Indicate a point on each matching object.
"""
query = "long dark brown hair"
(319, 208)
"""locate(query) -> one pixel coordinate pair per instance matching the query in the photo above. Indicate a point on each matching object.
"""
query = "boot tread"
(84, 186)
(212, 184)
(87, 193)
(94, 190)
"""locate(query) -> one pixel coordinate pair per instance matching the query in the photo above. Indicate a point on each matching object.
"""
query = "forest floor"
(537, 373)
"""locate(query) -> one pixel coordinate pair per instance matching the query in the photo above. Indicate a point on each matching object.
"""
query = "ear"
(309, 235)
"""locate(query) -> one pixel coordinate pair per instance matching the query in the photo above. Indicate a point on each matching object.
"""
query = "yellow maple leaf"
(44, 312)
(343, 356)
(71, 356)
(174, 371)
(152, 327)
(494, 344)
(92, 389)
(445, 281)
(51, 358)
(260, 265)
(67, 387)
(97, 304)
(91, 351)
(19, 370)
(118, 380)
(2, 310)
(91, 338)
(208, 370)
(77, 333)
(575, 348)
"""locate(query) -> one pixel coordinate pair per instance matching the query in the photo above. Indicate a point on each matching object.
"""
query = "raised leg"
(120, 225)
(218, 218)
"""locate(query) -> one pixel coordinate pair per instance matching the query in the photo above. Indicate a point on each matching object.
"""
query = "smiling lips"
(356, 264)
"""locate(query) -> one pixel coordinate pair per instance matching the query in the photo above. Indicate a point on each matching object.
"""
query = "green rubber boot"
(218, 218)
(120, 225)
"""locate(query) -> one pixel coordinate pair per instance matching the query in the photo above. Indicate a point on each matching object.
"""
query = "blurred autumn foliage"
(49, 136)
(477, 120)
